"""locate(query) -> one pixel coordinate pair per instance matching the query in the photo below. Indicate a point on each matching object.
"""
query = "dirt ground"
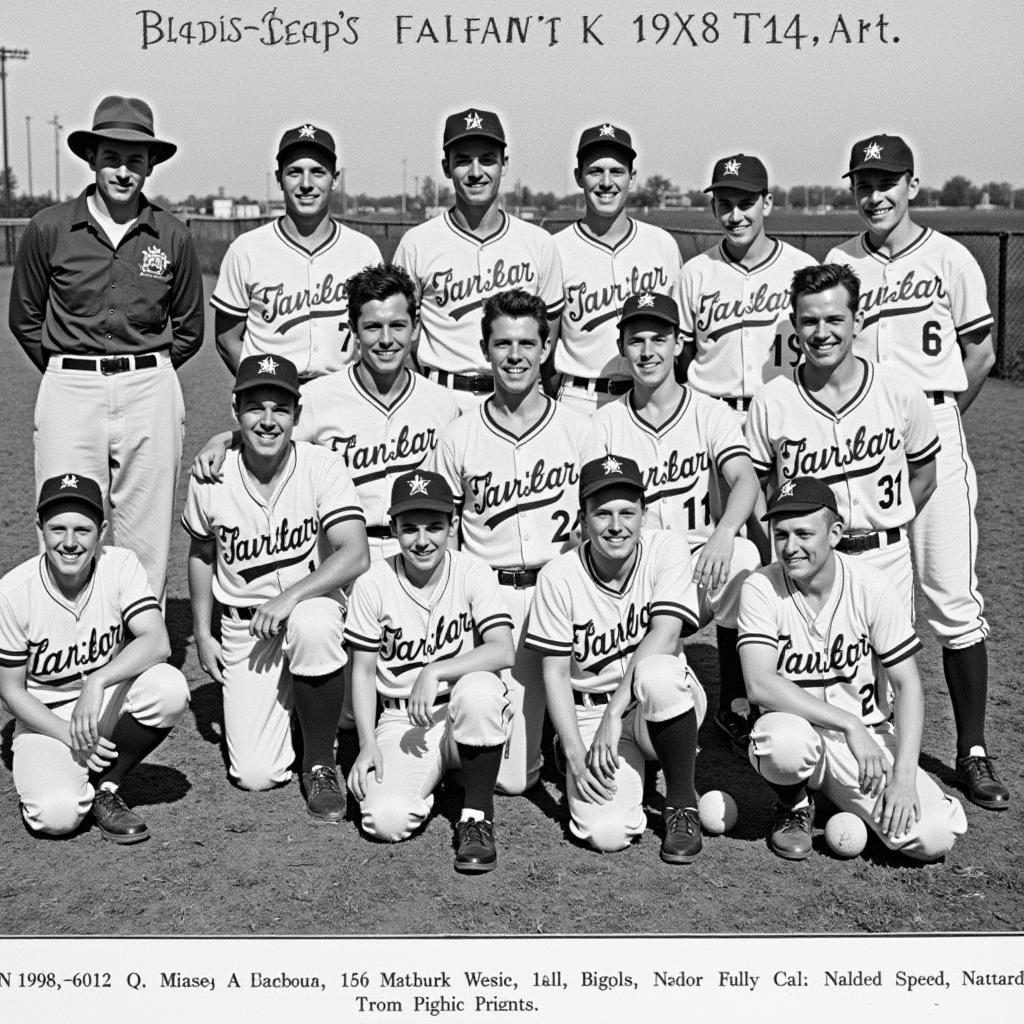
(224, 862)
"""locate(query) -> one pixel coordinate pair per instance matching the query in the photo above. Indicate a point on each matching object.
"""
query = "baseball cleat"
(736, 727)
(682, 840)
(791, 831)
(981, 783)
(325, 799)
(475, 850)
(116, 820)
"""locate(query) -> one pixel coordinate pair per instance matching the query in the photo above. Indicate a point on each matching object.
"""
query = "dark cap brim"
(880, 165)
(280, 385)
(421, 505)
(80, 142)
(647, 314)
(741, 184)
(611, 483)
(475, 135)
(70, 499)
(610, 143)
(796, 508)
(332, 157)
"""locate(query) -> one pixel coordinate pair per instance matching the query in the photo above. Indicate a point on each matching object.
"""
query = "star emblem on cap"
(607, 130)
(873, 152)
(268, 365)
(647, 299)
(307, 131)
(417, 485)
(69, 481)
(732, 167)
(786, 490)
(474, 120)
(612, 466)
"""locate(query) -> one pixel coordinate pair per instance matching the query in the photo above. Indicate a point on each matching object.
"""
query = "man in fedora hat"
(107, 300)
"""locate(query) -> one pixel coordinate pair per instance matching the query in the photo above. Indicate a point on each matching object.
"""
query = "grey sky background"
(952, 86)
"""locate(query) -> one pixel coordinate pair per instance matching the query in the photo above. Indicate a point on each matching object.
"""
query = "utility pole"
(57, 128)
(403, 187)
(5, 56)
(28, 149)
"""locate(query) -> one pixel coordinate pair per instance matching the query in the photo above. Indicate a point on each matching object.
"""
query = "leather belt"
(938, 397)
(378, 532)
(602, 385)
(479, 384)
(739, 404)
(518, 578)
(109, 365)
(855, 543)
(240, 614)
(591, 700)
(401, 703)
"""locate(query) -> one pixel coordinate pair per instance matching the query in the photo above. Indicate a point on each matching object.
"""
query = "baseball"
(717, 811)
(846, 834)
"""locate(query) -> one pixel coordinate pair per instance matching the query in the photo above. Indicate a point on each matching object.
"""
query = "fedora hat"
(121, 119)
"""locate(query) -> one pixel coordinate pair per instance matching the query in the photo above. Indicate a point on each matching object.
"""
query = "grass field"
(221, 861)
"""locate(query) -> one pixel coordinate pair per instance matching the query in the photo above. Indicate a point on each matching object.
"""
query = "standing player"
(107, 300)
(606, 257)
(862, 429)
(682, 441)
(816, 628)
(735, 305)
(469, 253)
(274, 542)
(513, 465)
(607, 619)
(926, 313)
(83, 651)
(429, 632)
(281, 289)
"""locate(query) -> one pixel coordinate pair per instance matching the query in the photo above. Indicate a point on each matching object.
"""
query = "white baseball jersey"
(456, 272)
(738, 318)
(377, 442)
(304, 304)
(863, 452)
(836, 655)
(679, 460)
(596, 280)
(60, 642)
(408, 628)
(577, 615)
(264, 547)
(916, 304)
(519, 495)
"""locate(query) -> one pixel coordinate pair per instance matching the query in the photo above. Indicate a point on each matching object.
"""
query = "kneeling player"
(429, 632)
(274, 541)
(816, 628)
(607, 618)
(83, 651)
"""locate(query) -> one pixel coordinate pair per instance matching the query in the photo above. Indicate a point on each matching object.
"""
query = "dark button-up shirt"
(74, 293)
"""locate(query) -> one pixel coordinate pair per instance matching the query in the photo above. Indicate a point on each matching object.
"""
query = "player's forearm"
(908, 716)
(493, 655)
(31, 711)
(743, 494)
(364, 696)
(562, 711)
(334, 573)
(922, 484)
(143, 652)
(979, 357)
(772, 692)
(229, 348)
(200, 589)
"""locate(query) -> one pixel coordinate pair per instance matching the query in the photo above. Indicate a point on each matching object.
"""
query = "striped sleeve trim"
(226, 307)
(555, 309)
(677, 611)
(926, 454)
(732, 453)
(687, 336)
(761, 467)
(757, 638)
(195, 533)
(360, 642)
(351, 513)
(977, 324)
(541, 643)
(901, 652)
(494, 622)
(13, 659)
(144, 604)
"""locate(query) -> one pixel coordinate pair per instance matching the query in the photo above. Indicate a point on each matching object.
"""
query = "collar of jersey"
(588, 565)
(867, 377)
(772, 256)
(497, 233)
(289, 472)
(590, 239)
(83, 595)
(829, 609)
(402, 395)
(650, 428)
(292, 244)
(414, 593)
(910, 247)
(542, 421)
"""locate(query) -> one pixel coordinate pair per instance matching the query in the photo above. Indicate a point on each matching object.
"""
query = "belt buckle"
(110, 365)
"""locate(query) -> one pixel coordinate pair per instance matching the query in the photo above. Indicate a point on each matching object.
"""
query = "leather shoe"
(791, 836)
(325, 799)
(736, 727)
(682, 840)
(983, 786)
(475, 850)
(116, 820)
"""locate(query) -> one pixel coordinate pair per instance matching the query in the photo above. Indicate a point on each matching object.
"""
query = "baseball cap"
(746, 173)
(880, 153)
(606, 135)
(472, 122)
(257, 371)
(71, 487)
(310, 136)
(649, 305)
(610, 471)
(421, 490)
(801, 494)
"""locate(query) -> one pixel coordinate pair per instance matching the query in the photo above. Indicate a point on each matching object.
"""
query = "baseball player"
(859, 427)
(513, 465)
(607, 619)
(683, 441)
(815, 629)
(274, 541)
(429, 632)
(606, 257)
(926, 313)
(83, 670)
(107, 300)
(469, 253)
(281, 289)
(735, 307)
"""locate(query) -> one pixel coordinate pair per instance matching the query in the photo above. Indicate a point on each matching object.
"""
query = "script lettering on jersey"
(294, 543)
(692, 469)
(446, 290)
(798, 458)
(601, 304)
(441, 643)
(542, 482)
(89, 653)
(594, 650)
(294, 308)
(732, 314)
(841, 658)
(371, 462)
(910, 295)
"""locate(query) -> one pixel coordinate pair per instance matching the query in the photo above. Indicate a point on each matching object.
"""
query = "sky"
(948, 77)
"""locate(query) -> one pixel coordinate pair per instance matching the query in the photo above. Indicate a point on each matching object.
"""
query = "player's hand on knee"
(369, 759)
(269, 619)
(591, 787)
(603, 755)
(897, 809)
(206, 466)
(424, 693)
(211, 660)
(101, 756)
(872, 766)
(714, 562)
(84, 725)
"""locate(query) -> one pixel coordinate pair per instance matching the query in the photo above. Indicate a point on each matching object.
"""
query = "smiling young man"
(607, 619)
(281, 289)
(274, 541)
(107, 300)
(925, 312)
(816, 630)
(606, 257)
(429, 635)
(470, 252)
(83, 651)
